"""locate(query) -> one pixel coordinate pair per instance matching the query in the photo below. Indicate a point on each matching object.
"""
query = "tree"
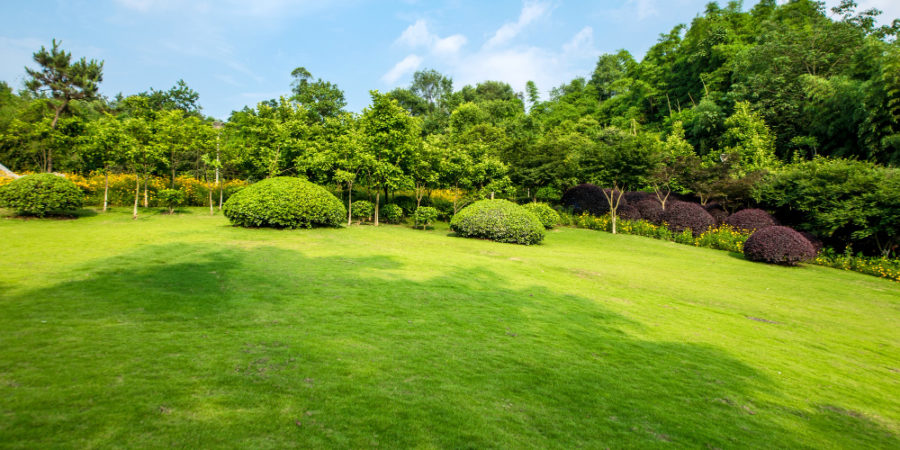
(141, 154)
(392, 136)
(180, 96)
(670, 172)
(64, 81)
(322, 98)
(107, 142)
(747, 136)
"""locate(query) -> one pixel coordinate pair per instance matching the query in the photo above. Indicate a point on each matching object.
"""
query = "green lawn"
(181, 330)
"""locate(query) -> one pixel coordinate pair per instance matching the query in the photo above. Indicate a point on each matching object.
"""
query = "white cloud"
(405, 66)
(417, 35)
(582, 41)
(643, 8)
(531, 11)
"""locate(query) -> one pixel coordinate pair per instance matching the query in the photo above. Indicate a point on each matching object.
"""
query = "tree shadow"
(258, 345)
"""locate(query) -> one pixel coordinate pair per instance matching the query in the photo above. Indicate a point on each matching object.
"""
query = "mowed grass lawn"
(183, 331)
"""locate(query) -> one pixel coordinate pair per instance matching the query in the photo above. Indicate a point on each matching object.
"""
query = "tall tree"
(322, 98)
(63, 80)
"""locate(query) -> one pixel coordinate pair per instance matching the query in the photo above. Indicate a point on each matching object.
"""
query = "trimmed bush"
(547, 215)
(41, 194)
(778, 245)
(362, 210)
(681, 216)
(171, 198)
(817, 243)
(628, 212)
(588, 198)
(498, 220)
(425, 215)
(390, 213)
(750, 220)
(284, 202)
(635, 196)
(650, 210)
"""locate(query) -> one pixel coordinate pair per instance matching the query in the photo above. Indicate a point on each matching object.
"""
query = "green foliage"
(391, 213)
(41, 195)
(548, 194)
(284, 202)
(362, 210)
(171, 198)
(498, 220)
(425, 216)
(547, 215)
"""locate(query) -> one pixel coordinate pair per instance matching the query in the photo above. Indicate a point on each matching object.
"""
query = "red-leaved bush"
(589, 198)
(685, 215)
(628, 212)
(778, 245)
(748, 220)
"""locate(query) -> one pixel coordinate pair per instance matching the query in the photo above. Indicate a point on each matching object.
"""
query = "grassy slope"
(182, 330)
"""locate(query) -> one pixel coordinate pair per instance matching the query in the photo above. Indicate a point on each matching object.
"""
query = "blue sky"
(239, 52)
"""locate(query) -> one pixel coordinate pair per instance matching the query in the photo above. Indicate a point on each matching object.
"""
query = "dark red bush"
(749, 220)
(778, 245)
(650, 210)
(684, 215)
(635, 196)
(717, 212)
(628, 212)
(588, 198)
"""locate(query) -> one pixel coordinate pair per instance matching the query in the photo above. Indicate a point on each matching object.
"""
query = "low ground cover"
(182, 330)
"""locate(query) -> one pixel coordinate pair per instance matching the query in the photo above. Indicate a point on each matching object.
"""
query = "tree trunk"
(137, 193)
(350, 203)
(56, 115)
(146, 182)
(106, 188)
(211, 210)
(221, 196)
(492, 195)
(377, 197)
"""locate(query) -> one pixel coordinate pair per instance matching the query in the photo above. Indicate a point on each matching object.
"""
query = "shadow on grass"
(260, 345)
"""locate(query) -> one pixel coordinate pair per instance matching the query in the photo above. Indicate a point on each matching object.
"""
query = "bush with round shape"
(750, 220)
(650, 210)
(170, 198)
(588, 198)
(284, 202)
(41, 194)
(425, 215)
(498, 220)
(778, 245)
(817, 243)
(547, 215)
(635, 196)
(390, 213)
(681, 216)
(362, 210)
(628, 212)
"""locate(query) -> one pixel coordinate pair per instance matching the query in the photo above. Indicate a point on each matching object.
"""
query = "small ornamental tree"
(778, 245)
(171, 199)
(425, 215)
(41, 194)
(362, 210)
(392, 213)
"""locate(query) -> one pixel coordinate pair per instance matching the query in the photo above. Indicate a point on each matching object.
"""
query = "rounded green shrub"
(41, 194)
(284, 202)
(362, 210)
(390, 213)
(547, 215)
(498, 220)
(425, 215)
(171, 198)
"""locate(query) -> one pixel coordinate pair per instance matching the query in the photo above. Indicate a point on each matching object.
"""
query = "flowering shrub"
(498, 220)
(778, 245)
(547, 215)
(880, 267)
(284, 202)
(41, 194)
(425, 215)
(722, 237)
(121, 189)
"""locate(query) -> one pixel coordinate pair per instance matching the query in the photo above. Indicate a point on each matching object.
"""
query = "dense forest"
(791, 107)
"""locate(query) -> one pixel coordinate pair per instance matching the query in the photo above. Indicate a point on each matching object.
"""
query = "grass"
(181, 330)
